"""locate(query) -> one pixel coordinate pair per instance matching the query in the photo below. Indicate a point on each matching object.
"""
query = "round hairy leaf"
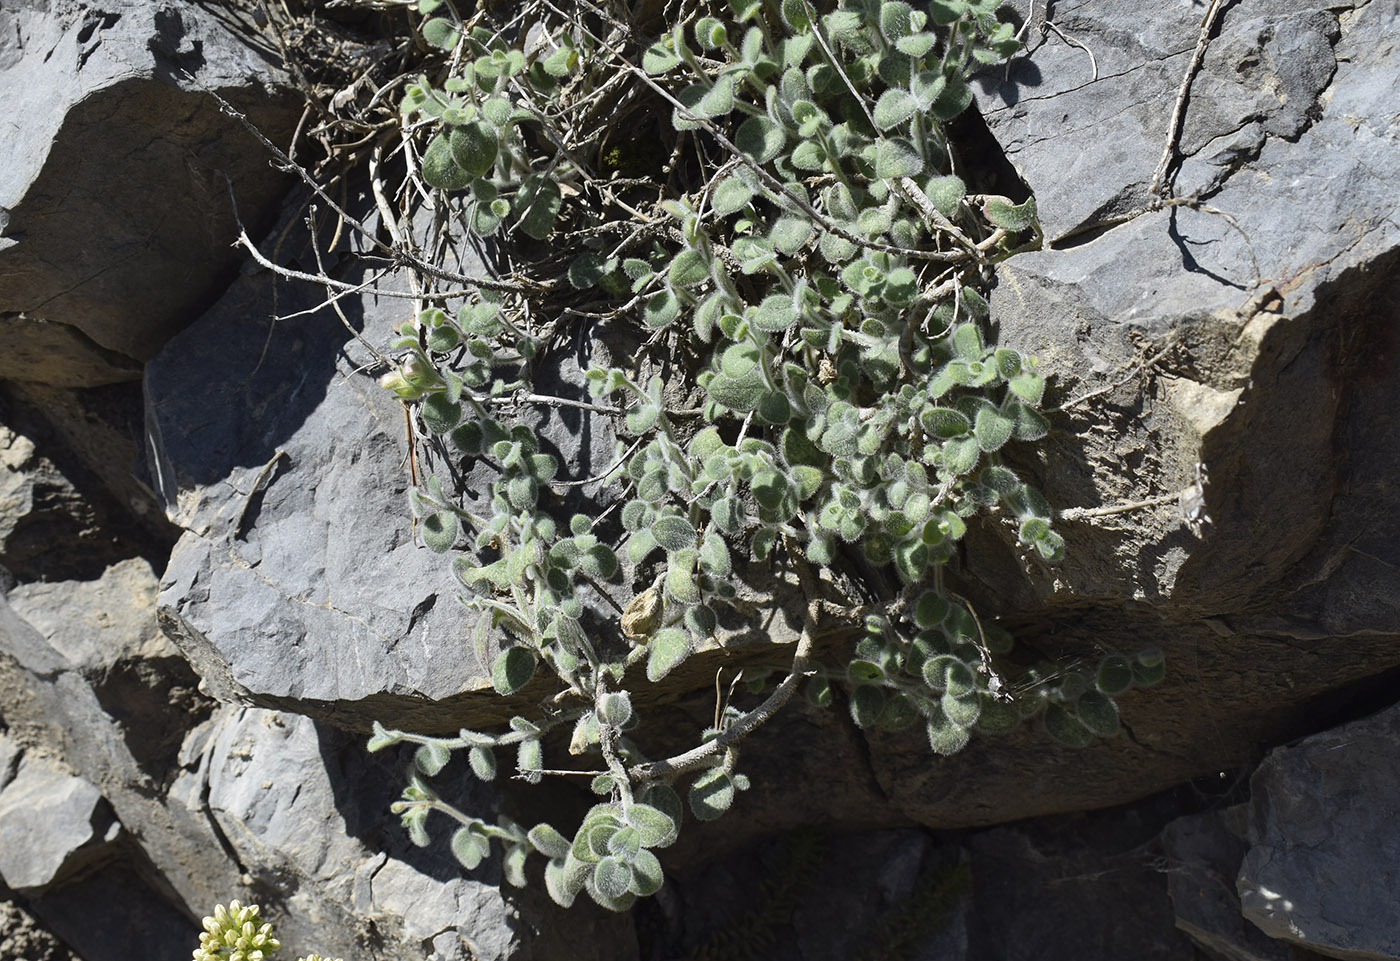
(659, 58)
(1033, 529)
(662, 308)
(867, 704)
(1115, 675)
(669, 646)
(656, 827)
(714, 555)
(587, 269)
(636, 515)
(673, 533)
(945, 737)
(483, 762)
(999, 479)
(760, 138)
(742, 394)
(1065, 727)
(992, 428)
(1008, 362)
(469, 848)
(948, 673)
(431, 757)
(1028, 385)
(441, 414)
(563, 879)
(1098, 713)
(961, 456)
(537, 204)
(1030, 424)
(895, 158)
(1005, 214)
(474, 147)
(864, 672)
(615, 708)
(680, 577)
(641, 419)
(647, 876)
(530, 757)
(898, 714)
(931, 610)
(774, 314)
(711, 794)
(440, 531)
(1146, 675)
(441, 33)
(548, 841)
(945, 422)
(513, 864)
(775, 408)
(1051, 547)
(998, 717)
(945, 193)
(663, 798)
(808, 155)
(730, 196)
(512, 670)
(612, 877)
(439, 169)
(962, 711)
(790, 234)
(689, 268)
(599, 562)
(952, 101)
(893, 108)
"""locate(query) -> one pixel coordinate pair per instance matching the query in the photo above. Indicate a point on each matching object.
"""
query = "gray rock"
(1203, 856)
(113, 202)
(1322, 840)
(52, 824)
(10, 753)
(96, 624)
(300, 583)
(115, 914)
(50, 707)
(1078, 888)
(271, 777)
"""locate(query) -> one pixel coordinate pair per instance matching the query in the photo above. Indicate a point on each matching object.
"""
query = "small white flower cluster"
(234, 934)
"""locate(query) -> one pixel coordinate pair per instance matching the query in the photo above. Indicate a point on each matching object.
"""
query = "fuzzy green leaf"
(730, 196)
(760, 138)
(537, 204)
(1013, 217)
(944, 736)
(512, 670)
(673, 533)
(689, 268)
(711, 794)
(656, 827)
(468, 848)
(441, 33)
(897, 158)
(893, 108)
(474, 147)
(1098, 713)
(993, 428)
(1065, 727)
(439, 169)
(669, 646)
(440, 531)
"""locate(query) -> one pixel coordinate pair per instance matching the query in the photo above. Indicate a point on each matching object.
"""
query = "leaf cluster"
(825, 270)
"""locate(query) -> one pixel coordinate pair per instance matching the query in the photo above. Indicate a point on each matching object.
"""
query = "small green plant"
(822, 269)
(238, 933)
